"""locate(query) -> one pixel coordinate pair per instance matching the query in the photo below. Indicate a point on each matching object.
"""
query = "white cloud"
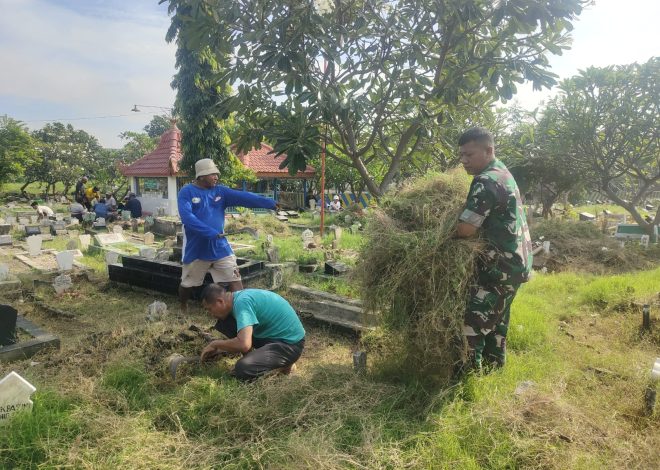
(85, 63)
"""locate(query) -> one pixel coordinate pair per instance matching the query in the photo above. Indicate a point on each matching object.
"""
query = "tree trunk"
(648, 228)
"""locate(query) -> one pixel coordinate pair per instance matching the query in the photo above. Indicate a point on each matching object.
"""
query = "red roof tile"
(266, 165)
(163, 161)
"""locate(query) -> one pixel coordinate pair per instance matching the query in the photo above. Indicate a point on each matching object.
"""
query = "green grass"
(123, 411)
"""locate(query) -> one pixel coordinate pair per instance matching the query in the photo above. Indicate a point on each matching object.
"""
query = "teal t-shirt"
(270, 316)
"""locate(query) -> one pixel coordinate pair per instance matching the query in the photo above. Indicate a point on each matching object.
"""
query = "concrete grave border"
(40, 340)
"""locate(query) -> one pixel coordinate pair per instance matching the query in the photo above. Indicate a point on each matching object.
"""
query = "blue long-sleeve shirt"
(202, 213)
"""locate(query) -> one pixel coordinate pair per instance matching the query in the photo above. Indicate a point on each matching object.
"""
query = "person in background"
(92, 196)
(79, 192)
(335, 205)
(101, 209)
(77, 210)
(43, 212)
(111, 201)
(134, 205)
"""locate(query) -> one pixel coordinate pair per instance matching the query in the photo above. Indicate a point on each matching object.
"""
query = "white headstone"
(34, 219)
(85, 240)
(655, 371)
(546, 247)
(147, 252)
(65, 260)
(644, 241)
(111, 257)
(4, 272)
(74, 221)
(307, 235)
(23, 221)
(62, 283)
(148, 238)
(312, 204)
(156, 310)
(269, 239)
(11, 219)
(109, 238)
(117, 229)
(5, 240)
(34, 245)
(15, 394)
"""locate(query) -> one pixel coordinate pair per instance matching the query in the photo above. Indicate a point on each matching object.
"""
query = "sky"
(88, 62)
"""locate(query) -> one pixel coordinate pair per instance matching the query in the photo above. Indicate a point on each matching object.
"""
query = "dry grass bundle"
(414, 273)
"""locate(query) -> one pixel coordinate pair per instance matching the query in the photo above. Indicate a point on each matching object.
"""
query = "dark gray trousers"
(267, 355)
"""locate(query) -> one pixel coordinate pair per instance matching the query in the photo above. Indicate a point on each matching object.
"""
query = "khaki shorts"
(222, 270)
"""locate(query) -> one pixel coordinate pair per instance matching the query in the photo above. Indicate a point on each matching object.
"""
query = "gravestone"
(73, 221)
(85, 241)
(5, 240)
(156, 310)
(126, 215)
(307, 238)
(111, 257)
(109, 238)
(335, 268)
(45, 229)
(360, 362)
(148, 238)
(57, 225)
(34, 219)
(117, 229)
(72, 244)
(15, 394)
(11, 220)
(337, 230)
(62, 283)
(65, 260)
(148, 252)
(269, 239)
(34, 245)
(163, 254)
(134, 224)
(4, 272)
(587, 216)
(273, 254)
(8, 315)
(32, 230)
(100, 222)
(24, 221)
(5, 229)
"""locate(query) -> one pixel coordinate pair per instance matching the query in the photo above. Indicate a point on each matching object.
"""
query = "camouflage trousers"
(486, 323)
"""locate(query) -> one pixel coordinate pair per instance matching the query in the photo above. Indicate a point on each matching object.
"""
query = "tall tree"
(157, 126)
(610, 127)
(65, 155)
(196, 81)
(16, 149)
(393, 67)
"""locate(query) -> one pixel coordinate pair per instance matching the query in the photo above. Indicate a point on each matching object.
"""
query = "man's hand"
(464, 230)
(210, 350)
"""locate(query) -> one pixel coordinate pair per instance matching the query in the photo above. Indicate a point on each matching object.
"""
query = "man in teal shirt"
(260, 324)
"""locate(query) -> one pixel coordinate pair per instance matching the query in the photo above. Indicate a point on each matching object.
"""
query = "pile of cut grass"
(416, 274)
(581, 246)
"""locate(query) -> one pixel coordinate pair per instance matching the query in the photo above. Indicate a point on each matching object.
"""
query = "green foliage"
(378, 74)
(608, 126)
(132, 383)
(157, 126)
(29, 439)
(16, 149)
(203, 126)
(65, 154)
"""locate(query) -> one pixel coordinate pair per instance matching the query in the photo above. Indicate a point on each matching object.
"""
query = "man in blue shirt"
(260, 324)
(205, 248)
(134, 206)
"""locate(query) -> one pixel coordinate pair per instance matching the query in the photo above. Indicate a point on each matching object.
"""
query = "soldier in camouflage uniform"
(494, 211)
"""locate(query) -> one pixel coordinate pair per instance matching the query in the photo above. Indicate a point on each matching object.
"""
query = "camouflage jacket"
(494, 205)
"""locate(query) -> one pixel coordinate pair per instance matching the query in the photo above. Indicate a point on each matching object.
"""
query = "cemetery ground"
(570, 396)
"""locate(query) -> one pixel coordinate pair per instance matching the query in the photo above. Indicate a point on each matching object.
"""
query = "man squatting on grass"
(205, 248)
(493, 209)
(254, 318)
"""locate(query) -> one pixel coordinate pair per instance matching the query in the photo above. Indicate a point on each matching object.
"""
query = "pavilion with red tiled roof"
(289, 190)
(156, 178)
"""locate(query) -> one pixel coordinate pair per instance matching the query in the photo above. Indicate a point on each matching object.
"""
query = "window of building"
(152, 187)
